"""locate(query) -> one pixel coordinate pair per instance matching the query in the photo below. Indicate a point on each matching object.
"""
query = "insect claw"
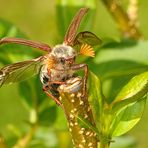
(58, 102)
(83, 96)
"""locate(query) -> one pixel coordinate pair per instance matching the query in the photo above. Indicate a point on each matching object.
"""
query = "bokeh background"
(117, 60)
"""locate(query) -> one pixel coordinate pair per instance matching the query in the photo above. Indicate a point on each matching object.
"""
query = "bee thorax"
(63, 51)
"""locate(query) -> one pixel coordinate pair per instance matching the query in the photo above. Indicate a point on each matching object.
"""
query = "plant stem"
(127, 27)
(24, 141)
(74, 105)
(103, 145)
(2, 142)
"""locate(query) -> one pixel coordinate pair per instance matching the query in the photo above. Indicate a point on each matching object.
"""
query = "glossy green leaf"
(129, 104)
(48, 116)
(136, 88)
(137, 84)
(95, 97)
(126, 118)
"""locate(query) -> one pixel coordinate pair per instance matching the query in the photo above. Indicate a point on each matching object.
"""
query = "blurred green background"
(117, 60)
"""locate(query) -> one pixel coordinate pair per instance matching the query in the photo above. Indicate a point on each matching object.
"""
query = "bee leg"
(57, 82)
(51, 96)
(85, 67)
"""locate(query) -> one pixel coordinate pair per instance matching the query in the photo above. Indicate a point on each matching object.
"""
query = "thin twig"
(25, 140)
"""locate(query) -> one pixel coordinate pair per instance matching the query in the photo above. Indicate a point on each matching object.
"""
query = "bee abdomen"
(44, 78)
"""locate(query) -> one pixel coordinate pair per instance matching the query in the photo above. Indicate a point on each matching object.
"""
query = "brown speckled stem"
(127, 26)
(74, 105)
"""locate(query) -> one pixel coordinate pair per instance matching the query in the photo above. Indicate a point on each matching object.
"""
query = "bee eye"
(62, 60)
(74, 58)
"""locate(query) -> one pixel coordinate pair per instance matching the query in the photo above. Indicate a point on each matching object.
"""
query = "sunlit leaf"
(136, 88)
(127, 118)
(137, 84)
(95, 97)
(129, 104)
(117, 62)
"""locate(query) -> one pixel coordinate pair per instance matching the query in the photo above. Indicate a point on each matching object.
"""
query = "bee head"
(64, 54)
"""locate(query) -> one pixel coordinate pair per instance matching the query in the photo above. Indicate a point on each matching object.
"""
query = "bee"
(59, 64)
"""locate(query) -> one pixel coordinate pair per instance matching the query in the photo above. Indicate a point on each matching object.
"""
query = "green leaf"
(48, 116)
(117, 62)
(27, 98)
(128, 106)
(61, 122)
(120, 59)
(126, 118)
(136, 88)
(137, 84)
(95, 97)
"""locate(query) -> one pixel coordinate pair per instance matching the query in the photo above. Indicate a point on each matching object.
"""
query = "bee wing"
(87, 37)
(20, 71)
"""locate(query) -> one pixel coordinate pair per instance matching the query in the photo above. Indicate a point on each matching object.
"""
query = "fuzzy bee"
(58, 65)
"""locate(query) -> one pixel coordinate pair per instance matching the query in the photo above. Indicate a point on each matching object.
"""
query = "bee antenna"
(25, 42)
(73, 27)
